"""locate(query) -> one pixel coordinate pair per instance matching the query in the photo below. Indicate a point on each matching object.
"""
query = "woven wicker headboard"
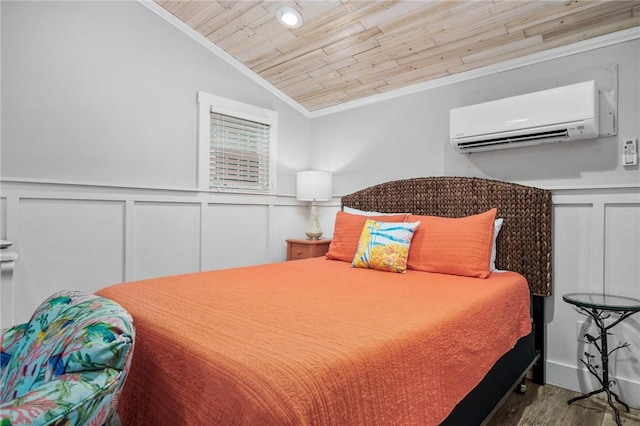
(524, 243)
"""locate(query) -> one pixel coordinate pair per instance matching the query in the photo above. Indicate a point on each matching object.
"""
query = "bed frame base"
(520, 384)
(508, 373)
(539, 328)
(481, 403)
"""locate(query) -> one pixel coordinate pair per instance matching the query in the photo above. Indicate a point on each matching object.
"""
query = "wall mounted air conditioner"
(562, 114)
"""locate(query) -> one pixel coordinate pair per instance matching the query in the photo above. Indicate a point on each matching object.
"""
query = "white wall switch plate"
(629, 152)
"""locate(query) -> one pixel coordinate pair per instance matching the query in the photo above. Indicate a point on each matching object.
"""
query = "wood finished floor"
(547, 406)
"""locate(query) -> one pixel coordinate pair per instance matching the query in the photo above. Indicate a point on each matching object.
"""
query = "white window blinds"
(237, 146)
(238, 154)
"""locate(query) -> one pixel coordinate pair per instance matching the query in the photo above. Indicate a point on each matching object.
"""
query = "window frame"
(208, 103)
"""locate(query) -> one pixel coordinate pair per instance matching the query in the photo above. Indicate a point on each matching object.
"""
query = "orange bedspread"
(313, 342)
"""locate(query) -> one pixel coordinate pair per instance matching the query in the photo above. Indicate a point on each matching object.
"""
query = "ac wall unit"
(556, 115)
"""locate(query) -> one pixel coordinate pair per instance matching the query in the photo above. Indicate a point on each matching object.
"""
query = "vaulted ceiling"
(348, 50)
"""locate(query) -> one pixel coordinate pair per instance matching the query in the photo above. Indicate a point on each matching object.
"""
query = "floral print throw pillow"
(384, 246)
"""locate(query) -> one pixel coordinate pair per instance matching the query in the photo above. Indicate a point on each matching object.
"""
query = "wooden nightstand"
(304, 249)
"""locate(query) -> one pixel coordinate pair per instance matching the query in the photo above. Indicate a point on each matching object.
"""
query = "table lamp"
(314, 185)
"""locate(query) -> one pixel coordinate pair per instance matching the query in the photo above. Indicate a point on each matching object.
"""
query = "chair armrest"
(80, 398)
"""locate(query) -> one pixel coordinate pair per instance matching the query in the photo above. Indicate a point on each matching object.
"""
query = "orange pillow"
(458, 246)
(347, 230)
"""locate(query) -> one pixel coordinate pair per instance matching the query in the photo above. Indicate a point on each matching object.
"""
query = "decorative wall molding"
(121, 234)
(596, 248)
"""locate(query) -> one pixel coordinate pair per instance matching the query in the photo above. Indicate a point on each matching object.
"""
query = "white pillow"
(365, 213)
(497, 225)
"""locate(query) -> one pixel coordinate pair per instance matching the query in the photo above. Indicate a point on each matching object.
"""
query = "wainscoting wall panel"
(596, 248)
(67, 244)
(235, 235)
(571, 232)
(286, 222)
(166, 239)
(621, 248)
(3, 218)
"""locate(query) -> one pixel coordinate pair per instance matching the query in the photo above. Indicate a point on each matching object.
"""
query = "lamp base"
(313, 232)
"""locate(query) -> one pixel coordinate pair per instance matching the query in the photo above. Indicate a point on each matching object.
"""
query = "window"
(237, 146)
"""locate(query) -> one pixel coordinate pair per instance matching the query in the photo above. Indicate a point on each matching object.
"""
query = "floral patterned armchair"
(66, 365)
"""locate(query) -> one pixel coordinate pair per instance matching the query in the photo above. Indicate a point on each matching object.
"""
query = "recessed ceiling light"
(289, 17)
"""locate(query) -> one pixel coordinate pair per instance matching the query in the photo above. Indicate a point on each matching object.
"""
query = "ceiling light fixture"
(289, 17)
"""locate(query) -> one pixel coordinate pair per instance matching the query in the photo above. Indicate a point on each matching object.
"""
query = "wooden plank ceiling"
(347, 50)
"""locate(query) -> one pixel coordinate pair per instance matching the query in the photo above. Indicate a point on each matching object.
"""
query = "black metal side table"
(600, 306)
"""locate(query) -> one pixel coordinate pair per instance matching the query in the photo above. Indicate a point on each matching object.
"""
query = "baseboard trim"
(580, 380)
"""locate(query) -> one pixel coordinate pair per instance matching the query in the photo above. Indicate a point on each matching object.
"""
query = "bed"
(320, 342)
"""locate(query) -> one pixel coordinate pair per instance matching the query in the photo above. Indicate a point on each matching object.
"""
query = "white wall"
(596, 200)
(98, 153)
(98, 164)
(409, 135)
(105, 93)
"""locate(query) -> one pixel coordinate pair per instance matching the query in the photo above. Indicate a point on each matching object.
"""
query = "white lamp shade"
(314, 185)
